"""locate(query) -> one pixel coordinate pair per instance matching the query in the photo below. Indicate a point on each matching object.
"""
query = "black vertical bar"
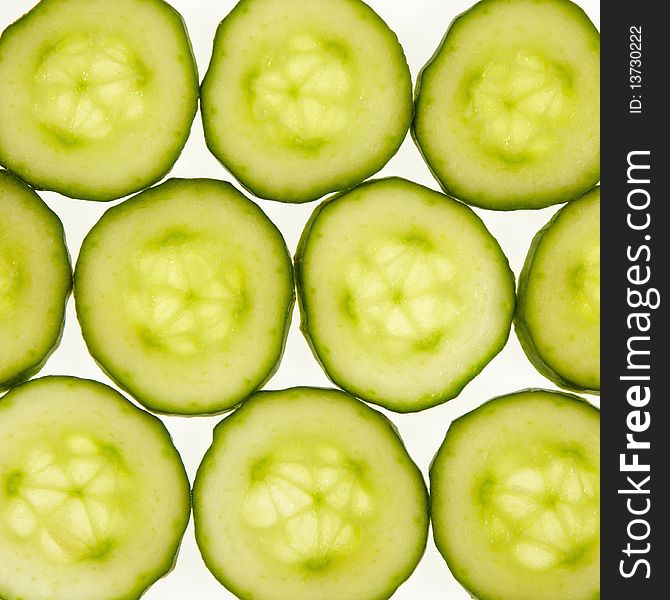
(634, 246)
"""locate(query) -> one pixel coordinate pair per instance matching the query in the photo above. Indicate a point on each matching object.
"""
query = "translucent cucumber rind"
(306, 326)
(10, 185)
(141, 582)
(96, 345)
(103, 191)
(521, 327)
(257, 182)
(450, 182)
(457, 434)
(288, 397)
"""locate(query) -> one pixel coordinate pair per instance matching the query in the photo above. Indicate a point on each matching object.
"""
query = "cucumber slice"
(515, 498)
(308, 494)
(405, 295)
(508, 108)
(94, 498)
(304, 98)
(35, 281)
(96, 96)
(558, 312)
(184, 296)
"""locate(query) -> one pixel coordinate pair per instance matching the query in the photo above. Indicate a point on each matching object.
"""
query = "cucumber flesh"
(558, 314)
(86, 84)
(184, 295)
(309, 494)
(391, 303)
(301, 99)
(35, 281)
(507, 110)
(94, 498)
(515, 498)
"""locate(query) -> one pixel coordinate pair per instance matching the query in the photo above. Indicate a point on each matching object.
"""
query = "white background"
(420, 25)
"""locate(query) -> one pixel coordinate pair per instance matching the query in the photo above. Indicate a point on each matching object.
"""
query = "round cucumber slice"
(405, 295)
(515, 498)
(96, 96)
(508, 108)
(94, 498)
(558, 312)
(184, 296)
(35, 281)
(305, 98)
(309, 494)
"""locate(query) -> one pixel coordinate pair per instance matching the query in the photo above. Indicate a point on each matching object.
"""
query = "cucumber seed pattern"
(88, 84)
(516, 102)
(188, 294)
(302, 91)
(546, 514)
(401, 290)
(309, 500)
(66, 501)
